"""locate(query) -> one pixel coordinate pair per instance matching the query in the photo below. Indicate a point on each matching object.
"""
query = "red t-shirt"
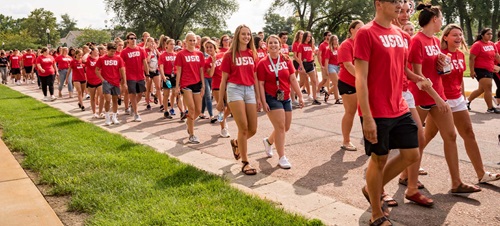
(453, 82)
(241, 71)
(295, 47)
(15, 61)
(133, 59)
(161, 50)
(223, 50)
(117, 53)
(425, 51)
(407, 39)
(261, 53)
(90, 64)
(379, 45)
(190, 63)
(217, 77)
(167, 60)
(346, 54)
(46, 62)
(29, 59)
(332, 56)
(322, 48)
(307, 52)
(78, 70)
(265, 72)
(284, 49)
(497, 45)
(110, 69)
(485, 55)
(63, 62)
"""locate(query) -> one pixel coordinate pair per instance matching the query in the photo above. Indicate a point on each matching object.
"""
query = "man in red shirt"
(136, 66)
(28, 60)
(386, 120)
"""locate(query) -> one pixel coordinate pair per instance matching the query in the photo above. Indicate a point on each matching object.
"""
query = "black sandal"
(235, 148)
(327, 95)
(379, 221)
(250, 170)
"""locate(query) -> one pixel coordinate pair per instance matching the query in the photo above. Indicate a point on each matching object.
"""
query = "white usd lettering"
(432, 50)
(457, 64)
(134, 54)
(488, 48)
(111, 62)
(244, 61)
(192, 58)
(280, 66)
(218, 62)
(392, 41)
(92, 63)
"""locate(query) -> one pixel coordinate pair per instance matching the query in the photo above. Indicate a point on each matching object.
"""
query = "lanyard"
(275, 68)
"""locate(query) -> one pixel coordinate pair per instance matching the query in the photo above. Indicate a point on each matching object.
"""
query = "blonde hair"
(212, 43)
(235, 46)
(330, 43)
(446, 32)
(297, 36)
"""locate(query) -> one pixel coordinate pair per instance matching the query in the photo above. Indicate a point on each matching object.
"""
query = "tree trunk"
(462, 13)
(495, 17)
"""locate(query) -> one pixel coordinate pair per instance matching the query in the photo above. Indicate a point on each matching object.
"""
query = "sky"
(92, 13)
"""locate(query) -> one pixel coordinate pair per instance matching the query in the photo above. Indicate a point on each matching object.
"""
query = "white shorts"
(237, 92)
(458, 104)
(408, 96)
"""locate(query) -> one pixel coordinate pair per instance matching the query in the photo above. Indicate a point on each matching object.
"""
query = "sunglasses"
(133, 38)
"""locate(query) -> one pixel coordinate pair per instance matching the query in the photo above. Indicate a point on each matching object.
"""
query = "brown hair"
(235, 46)
(353, 25)
(446, 32)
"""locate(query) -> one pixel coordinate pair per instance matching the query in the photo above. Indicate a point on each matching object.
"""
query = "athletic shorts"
(308, 66)
(81, 82)
(408, 96)
(393, 133)
(135, 87)
(195, 88)
(458, 104)
(332, 68)
(244, 93)
(296, 65)
(483, 73)
(15, 71)
(153, 74)
(275, 104)
(110, 89)
(92, 85)
(28, 69)
(172, 82)
(345, 88)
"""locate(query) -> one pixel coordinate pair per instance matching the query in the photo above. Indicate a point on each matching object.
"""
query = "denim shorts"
(332, 68)
(275, 104)
(408, 96)
(237, 92)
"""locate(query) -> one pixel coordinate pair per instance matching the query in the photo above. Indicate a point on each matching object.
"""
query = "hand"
(442, 106)
(424, 84)
(177, 90)
(259, 105)
(202, 91)
(441, 62)
(267, 108)
(125, 87)
(473, 75)
(43, 71)
(220, 106)
(396, 22)
(301, 102)
(496, 69)
(370, 129)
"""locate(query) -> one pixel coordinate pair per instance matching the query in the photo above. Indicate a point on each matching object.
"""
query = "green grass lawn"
(119, 182)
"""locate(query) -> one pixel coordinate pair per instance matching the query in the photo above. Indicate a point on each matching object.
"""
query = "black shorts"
(172, 83)
(15, 71)
(483, 73)
(275, 104)
(135, 87)
(92, 85)
(296, 65)
(28, 69)
(308, 66)
(153, 74)
(195, 88)
(427, 107)
(81, 82)
(345, 88)
(393, 133)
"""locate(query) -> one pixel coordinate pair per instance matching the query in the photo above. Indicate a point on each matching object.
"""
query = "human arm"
(265, 106)
(124, 78)
(222, 92)
(202, 79)
(472, 59)
(442, 106)
(369, 126)
(296, 88)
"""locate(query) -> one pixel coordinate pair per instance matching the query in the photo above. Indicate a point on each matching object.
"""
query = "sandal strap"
(379, 221)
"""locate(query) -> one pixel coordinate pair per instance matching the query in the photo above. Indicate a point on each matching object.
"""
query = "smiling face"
(210, 48)
(245, 36)
(404, 15)
(190, 41)
(454, 38)
(273, 45)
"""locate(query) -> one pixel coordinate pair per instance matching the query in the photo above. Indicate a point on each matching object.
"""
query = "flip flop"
(248, 171)
(385, 207)
(420, 200)
(349, 147)
(422, 172)
(405, 183)
(464, 188)
(235, 148)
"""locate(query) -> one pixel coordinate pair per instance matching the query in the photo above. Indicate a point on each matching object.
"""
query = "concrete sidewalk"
(324, 182)
(21, 203)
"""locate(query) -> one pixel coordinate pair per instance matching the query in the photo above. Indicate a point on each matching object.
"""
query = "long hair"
(479, 37)
(304, 38)
(330, 43)
(235, 46)
(428, 12)
(221, 41)
(296, 38)
(284, 56)
(446, 32)
(353, 25)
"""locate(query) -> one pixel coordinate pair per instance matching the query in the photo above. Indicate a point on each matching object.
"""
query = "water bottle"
(168, 83)
(447, 67)
(220, 116)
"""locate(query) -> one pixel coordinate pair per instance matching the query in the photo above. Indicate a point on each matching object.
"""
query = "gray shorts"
(110, 89)
(240, 92)
(135, 87)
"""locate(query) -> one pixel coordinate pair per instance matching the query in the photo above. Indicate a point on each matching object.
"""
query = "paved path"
(325, 181)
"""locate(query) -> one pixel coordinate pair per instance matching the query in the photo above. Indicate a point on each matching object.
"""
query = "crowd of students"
(421, 76)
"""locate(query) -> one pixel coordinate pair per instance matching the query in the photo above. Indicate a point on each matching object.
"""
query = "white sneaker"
(114, 119)
(268, 148)
(33, 82)
(46, 98)
(224, 133)
(128, 111)
(137, 118)
(102, 115)
(310, 97)
(283, 163)
(193, 140)
(52, 98)
(95, 116)
(108, 119)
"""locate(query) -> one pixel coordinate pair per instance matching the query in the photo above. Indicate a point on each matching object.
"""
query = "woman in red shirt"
(424, 56)
(79, 78)
(225, 43)
(167, 72)
(63, 62)
(483, 54)
(94, 83)
(189, 65)
(276, 76)
(451, 42)
(305, 57)
(332, 67)
(238, 76)
(46, 67)
(346, 84)
(259, 45)
(304, 80)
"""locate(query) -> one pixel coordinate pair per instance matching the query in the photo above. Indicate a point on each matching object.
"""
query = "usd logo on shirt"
(134, 54)
(391, 41)
(432, 50)
(308, 49)
(240, 61)
(488, 48)
(218, 62)
(92, 63)
(192, 58)
(280, 66)
(170, 58)
(111, 62)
